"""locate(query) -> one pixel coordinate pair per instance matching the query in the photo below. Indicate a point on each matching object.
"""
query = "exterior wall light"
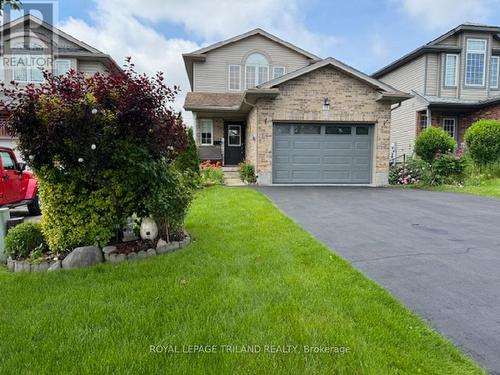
(326, 104)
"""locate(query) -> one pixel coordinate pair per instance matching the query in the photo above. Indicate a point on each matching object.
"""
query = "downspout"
(256, 134)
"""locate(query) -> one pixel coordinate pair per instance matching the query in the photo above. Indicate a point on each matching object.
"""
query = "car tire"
(34, 207)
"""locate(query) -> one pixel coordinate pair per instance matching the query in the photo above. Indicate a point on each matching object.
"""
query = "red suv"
(17, 186)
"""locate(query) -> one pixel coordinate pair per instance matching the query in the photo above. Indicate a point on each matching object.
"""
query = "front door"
(234, 144)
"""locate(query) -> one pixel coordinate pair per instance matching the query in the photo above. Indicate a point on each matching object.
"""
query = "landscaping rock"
(18, 265)
(40, 267)
(149, 229)
(161, 243)
(168, 247)
(107, 250)
(117, 258)
(151, 252)
(26, 266)
(83, 257)
(132, 256)
(142, 254)
(186, 241)
(54, 266)
(10, 264)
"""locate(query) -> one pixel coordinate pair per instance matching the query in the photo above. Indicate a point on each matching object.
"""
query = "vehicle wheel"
(35, 207)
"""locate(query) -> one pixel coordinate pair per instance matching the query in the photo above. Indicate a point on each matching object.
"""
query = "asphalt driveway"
(438, 253)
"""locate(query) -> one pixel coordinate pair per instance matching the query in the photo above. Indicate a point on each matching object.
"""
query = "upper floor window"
(475, 62)
(256, 70)
(234, 77)
(206, 132)
(494, 66)
(278, 71)
(28, 68)
(450, 73)
(61, 67)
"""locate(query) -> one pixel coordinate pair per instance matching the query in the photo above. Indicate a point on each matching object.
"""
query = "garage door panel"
(317, 157)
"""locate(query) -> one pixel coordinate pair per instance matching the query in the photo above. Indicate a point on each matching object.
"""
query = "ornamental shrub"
(433, 141)
(188, 159)
(247, 172)
(211, 173)
(448, 169)
(483, 141)
(412, 172)
(23, 239)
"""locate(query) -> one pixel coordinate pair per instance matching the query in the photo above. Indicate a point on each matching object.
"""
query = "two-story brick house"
(454, 80)
(30, 45)
(297, 118)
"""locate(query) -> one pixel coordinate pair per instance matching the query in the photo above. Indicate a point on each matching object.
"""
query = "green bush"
(448, 169)
(169, 199)
(212, 175)
(247, 172)
(433, 141)
(23, 239)
(411, 172)
(188, 159)
(74, 216)
(483, 141)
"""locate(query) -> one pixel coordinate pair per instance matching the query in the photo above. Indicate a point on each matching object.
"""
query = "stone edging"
(162, 247)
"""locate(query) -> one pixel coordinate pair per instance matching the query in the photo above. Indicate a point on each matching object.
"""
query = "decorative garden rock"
(40, 267)
(161, 242)
(149, 229)
(131, 256)
(10, 264)
(56, 265)
(107, 251)
(186, 241)
(151, 252)
(117, 258)
(83, 257)
(141, 254)
(167, 247)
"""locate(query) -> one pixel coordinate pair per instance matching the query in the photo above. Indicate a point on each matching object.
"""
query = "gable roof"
(433, 46)
(84, 51)
(200, 54)
(386, 90)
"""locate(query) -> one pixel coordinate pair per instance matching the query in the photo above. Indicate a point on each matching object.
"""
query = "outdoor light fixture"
(326, 104)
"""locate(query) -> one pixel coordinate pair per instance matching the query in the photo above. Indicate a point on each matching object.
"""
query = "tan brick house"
(297, 118)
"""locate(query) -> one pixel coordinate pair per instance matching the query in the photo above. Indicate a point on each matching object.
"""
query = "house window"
(61, 67)
(450, 74)
(278, 71)
(422, 120)
(207, 131)
(494, 66)
(234, 77)
(475, 62)
(25, 68)
(256, 70)
(449, 126)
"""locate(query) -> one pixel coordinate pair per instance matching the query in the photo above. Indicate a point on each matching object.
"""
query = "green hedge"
(433, 141)
(23, 239)
(483, 141)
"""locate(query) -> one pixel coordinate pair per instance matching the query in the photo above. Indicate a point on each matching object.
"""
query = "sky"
(366, 34)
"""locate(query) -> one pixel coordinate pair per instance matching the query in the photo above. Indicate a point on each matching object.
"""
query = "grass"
(487, 188)
(251, 277)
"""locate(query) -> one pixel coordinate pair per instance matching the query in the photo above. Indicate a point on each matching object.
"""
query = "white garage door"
(322, 153)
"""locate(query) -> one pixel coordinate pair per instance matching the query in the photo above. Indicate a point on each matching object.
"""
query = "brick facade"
(301, 99)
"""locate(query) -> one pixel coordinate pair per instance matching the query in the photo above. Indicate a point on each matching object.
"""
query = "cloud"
(124, 28)
(439, 14)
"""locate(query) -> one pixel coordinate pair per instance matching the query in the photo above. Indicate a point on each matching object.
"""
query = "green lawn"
(488, 188)
(251, 277)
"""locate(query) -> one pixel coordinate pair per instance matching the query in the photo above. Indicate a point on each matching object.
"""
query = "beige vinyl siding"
(91, 67)
(452, 40)
(433, 68)
(212, 74)
(409, 77)
(403, 125)
(447, 92)
(474, 93)
(495, 43)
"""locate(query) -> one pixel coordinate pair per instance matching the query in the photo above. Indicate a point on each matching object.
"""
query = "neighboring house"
(454, 80)
(297, 118)
(30, 45)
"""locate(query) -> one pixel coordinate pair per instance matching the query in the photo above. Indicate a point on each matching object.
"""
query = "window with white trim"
(494, 71)
(206, 132)
(450, 126)
(475, 62)
(278, 71)
(61, 67)
(256, 70)
(234, 77)
(25, 68)
(450, 71)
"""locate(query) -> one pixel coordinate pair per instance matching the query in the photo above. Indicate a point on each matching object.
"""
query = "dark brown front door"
(234, 143)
